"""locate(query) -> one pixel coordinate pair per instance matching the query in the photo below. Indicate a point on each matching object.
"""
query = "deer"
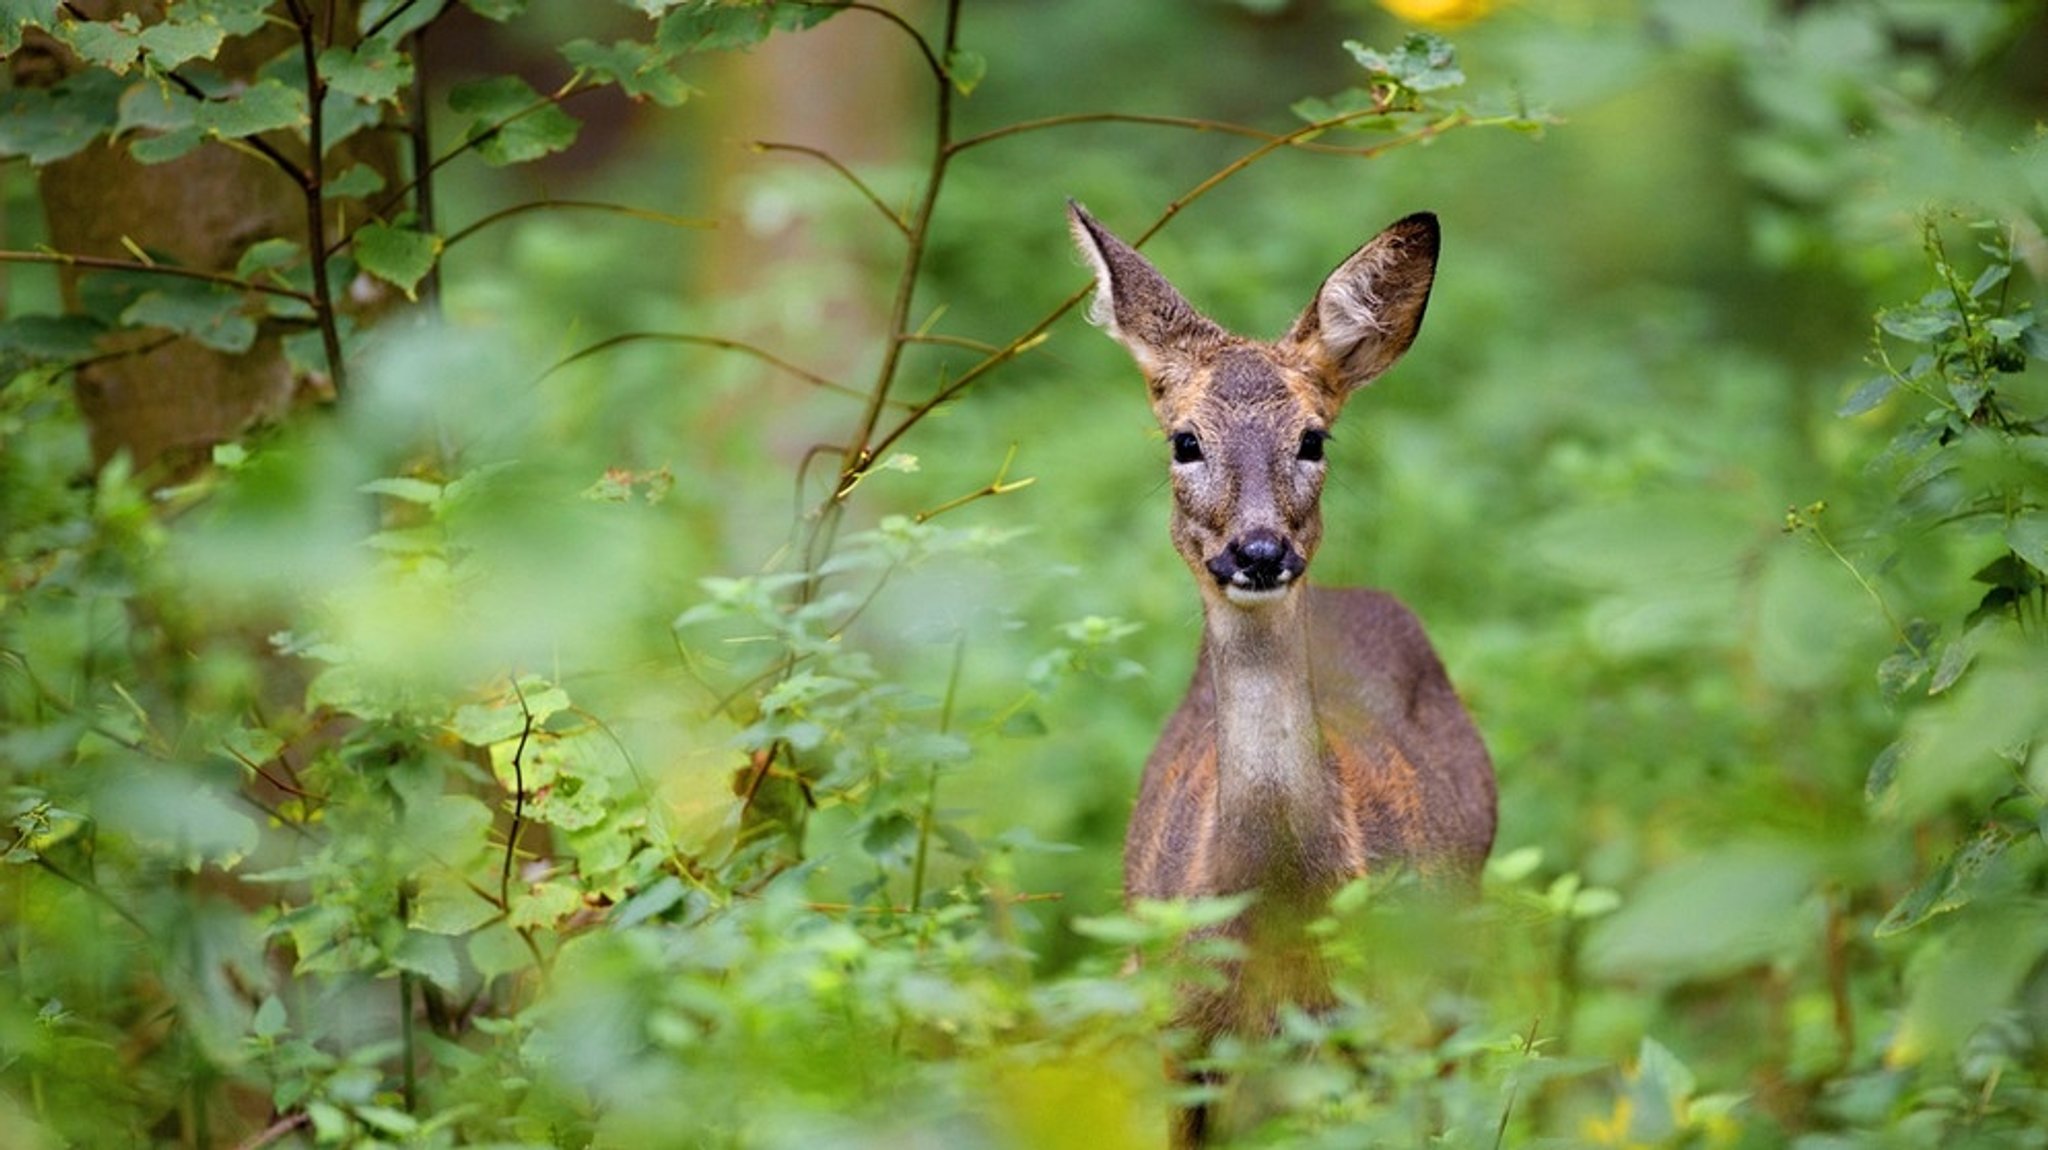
(1320, 739)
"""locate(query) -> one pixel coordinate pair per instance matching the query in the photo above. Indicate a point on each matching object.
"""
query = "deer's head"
(1247, 420)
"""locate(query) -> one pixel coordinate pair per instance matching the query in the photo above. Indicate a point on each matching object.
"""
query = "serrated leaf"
(265, 106)
(509, 122)
(1949, 887)
(1874, 391)
(640, 70)
(1423, 63)
(401, 257)
(110, 44)
(544, 905)
(206, 313)
(712, 26)
(173, 42)
(374, 70)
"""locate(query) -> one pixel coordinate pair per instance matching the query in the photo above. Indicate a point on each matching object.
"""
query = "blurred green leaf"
(509, 122)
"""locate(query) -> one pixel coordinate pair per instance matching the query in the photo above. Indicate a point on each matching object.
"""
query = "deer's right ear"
(1133, 302)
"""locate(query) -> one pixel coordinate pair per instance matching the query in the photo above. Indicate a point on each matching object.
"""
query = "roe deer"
(1320, 739)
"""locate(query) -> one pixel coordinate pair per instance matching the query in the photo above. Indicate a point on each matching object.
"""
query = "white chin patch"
(1248, 597)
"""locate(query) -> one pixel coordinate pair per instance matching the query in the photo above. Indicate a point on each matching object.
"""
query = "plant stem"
(418, 132)
(315, 187)
(931, 786)
(99, 263)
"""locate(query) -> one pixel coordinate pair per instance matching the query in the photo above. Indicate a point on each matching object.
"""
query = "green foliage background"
(514, 754)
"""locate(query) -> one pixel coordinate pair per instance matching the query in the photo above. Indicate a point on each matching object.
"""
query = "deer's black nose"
(1258, 560)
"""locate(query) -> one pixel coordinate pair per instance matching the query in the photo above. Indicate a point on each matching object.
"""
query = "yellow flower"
(1440, 13)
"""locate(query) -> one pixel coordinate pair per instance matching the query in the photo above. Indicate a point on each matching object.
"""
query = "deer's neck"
(1273, 795)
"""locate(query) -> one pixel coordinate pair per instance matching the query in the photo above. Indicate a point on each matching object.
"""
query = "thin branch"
(1000, 485)
(419, 136)
(858, 452)
(581, 205)
(1191, 123)
(315, 186)
(982, 346)
(518, 799)
(924, 46)
(386, 20)
(894, 217)
(767, 357)
(398, 195)
(275, 1131)
(1036, 333)
(101, 263)
(257, 144)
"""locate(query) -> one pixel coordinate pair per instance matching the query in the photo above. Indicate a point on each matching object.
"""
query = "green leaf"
(266, 106)
(431, 956)
(640, 70)
(498, 950)
(714, 26)
(544, 905)
(509, 122)
(48, 338)
(406, 488)
(156, 106)
(1949, 887)
(173, 43)
(266, 256)
(270, 1020)
(1874, 391)
(966, 70)
(1918, 324)
(399, 256)
(166, 147)
(1423, 63)
(397, 18)
(2027, 535)
(357, 181)
(446, 905)
(208, 313)
(498, 10)
(1884, 771)
(110, 44)
(49, 124)
(17, 15)
(374, 70)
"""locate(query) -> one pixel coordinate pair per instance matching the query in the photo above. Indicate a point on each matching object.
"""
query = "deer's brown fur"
(1320, 739)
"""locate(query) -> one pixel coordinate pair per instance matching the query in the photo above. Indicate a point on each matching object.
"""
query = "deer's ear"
(1134, 303)
(1368, 311)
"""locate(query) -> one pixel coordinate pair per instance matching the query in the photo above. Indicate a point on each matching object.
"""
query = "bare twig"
(719, 342)
(314, 187)
(894, 217)
(100, 263)
(579, 205)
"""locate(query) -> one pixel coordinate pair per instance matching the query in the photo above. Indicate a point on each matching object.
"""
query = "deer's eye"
(1186, 448)
(1311, 449)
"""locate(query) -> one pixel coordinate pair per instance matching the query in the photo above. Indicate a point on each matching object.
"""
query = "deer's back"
(1412, 782)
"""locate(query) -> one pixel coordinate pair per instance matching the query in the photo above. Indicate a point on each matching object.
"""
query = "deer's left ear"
(1368, 311)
